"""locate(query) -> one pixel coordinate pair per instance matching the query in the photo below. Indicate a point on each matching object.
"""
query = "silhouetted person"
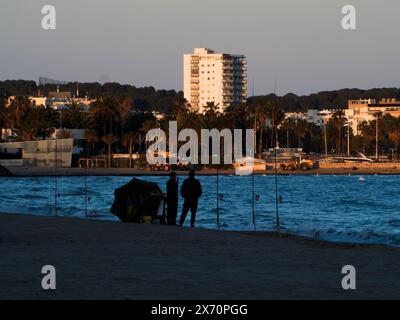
(191, 192)
(172, 199)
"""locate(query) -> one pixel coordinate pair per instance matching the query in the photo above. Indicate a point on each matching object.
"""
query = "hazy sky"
(141, 42)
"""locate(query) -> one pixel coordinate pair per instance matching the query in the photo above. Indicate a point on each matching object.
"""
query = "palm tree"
(288, 125)
(17, 110)
(212, 115)
(260, 114)
(395, 138)
(192, 120)
(276, 115)
(128, 140)
(377, 115)
(109, 139)
(339, 121)
(315, 134)
(367, 133)
(147, 126)
(181, 105)
(3, 117)
(73, 116)
(125, 108)
(106, 112)
(91, 138)
(301, 130)
(237, 116)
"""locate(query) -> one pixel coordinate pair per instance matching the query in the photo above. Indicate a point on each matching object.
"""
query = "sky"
(300, 44)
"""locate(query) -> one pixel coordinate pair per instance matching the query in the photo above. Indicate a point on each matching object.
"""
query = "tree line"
(150, 99)
(114, 123)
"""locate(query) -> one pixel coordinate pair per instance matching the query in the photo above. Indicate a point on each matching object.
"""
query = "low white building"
(41, 153)
(319, 117)
(354, 119)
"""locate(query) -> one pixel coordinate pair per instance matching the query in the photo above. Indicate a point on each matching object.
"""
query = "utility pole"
(348, 139)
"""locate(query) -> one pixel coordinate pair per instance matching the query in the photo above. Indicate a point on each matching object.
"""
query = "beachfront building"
(36, 101)
(357, 112)
(366, 110)
(41, 153)
(389, 106)
(57, 102)
(214, 77)
(319, 117)
(322, 117)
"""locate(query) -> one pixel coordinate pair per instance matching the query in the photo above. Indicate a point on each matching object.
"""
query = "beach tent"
(138, 200)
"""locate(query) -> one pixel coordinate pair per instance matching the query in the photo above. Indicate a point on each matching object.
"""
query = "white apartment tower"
(214, 77)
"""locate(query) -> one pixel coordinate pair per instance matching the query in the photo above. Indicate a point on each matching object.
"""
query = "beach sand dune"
(111, 260)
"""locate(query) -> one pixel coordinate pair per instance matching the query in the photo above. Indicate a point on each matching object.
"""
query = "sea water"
(338, 208)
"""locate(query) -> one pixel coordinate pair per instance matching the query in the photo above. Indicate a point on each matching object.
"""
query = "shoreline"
(275, 234)
(50, 172)
(108, 260)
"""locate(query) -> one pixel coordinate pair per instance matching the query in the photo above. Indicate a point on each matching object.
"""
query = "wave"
(367, 236)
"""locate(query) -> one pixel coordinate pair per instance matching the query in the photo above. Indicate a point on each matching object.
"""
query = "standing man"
(191, 192)
(172, 199)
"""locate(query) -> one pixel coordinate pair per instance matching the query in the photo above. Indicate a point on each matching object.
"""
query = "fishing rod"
(55, 177)
(85, 192)
(276, 195)
(254, 208)
(217, 196)
(278, 226)
(86, 164)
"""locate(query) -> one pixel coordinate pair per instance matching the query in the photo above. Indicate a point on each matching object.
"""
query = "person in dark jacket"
(191, 192)
(172, 199)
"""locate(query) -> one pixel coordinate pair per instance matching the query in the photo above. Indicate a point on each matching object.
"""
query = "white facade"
(41, 153)
(57, 103)
(321, 117)
(214, 77)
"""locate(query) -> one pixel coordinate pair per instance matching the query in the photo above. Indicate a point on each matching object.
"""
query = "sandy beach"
(112, 260)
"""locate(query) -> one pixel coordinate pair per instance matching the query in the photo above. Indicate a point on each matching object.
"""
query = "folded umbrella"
(136, 199)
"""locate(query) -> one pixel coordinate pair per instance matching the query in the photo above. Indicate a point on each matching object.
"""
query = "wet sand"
(112, 260)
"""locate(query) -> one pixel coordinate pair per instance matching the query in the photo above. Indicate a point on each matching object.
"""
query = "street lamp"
(348, 138)
(377, 116)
